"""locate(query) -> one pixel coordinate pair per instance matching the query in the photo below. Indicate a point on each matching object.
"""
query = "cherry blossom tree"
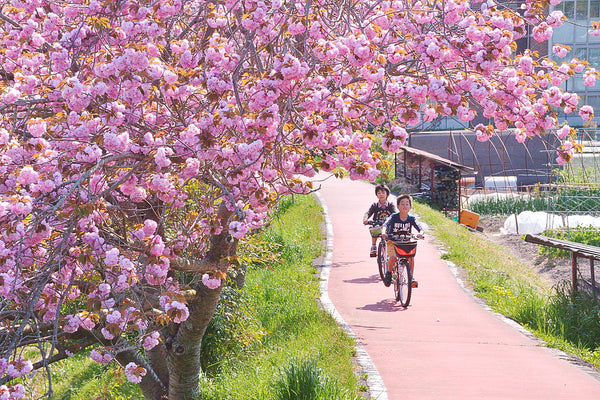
(141, 140)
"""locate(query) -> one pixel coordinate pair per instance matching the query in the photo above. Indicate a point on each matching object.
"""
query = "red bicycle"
(402, 279)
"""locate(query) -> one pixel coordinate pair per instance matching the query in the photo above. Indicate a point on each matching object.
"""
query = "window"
(568, 8)
(594, 9)
(594, 101)
(594, 57)
(581, 12)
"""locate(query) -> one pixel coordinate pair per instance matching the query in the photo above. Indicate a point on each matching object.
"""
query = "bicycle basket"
(375, 231)
(405, 249)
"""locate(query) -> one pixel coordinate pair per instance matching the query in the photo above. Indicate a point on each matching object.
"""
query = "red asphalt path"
(446, 345)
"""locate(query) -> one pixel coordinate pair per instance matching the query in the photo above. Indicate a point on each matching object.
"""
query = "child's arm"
(386, 226)
(418, 228)
(368, 214)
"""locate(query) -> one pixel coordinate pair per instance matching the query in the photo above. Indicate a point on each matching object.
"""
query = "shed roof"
(437, 159)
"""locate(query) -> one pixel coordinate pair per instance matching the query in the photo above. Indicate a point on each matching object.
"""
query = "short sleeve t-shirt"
(381, 212)
(394, 225)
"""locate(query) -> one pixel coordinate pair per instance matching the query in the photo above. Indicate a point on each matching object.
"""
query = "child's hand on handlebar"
(420, 236)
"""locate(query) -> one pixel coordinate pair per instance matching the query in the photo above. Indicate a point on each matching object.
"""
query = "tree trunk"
(185, 341)
(183, 348)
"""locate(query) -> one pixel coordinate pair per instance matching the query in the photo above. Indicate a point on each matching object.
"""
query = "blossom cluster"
(16, 368)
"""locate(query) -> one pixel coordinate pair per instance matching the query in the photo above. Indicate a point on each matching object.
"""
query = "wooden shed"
(441, 180)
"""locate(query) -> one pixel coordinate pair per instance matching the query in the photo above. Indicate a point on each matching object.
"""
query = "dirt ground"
(553, 271)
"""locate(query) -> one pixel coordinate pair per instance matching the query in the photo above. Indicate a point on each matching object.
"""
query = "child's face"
(404, 205)
(382, 195)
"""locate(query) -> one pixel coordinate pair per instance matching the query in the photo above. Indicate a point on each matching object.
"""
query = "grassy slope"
(284, 297)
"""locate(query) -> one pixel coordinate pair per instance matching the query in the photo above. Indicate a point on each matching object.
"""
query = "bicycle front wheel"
(382, 258)
(402, 282)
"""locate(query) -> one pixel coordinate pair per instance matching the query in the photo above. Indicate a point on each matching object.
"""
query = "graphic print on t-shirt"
(402, 226)
(381, 212)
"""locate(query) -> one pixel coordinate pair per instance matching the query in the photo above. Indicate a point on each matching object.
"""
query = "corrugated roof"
(437, 159)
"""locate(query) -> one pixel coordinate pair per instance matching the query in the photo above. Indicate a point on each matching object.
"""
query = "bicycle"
(381, 248)
(402, 279)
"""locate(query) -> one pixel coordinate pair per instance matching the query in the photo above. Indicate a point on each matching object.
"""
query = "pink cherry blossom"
(542, 32)
(19, 367)
(112, 257)
(238, 229)
(157, 273)
(100, 356)
(559, 51)
(37, 127)
(482, 133)
(555, 18)
(107, 334)
(564, 131)
(18, 392)
(590, 76)
(3, 366)
(211, 283)
(149, 227)
(296, 28)
(4, 392)
(177, 310)
(151, 341)
(134, 372)
(27, 176)
(72, 324)
(11, 96)
(586, 112)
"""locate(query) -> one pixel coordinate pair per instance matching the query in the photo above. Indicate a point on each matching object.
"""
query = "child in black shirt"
(380, 211)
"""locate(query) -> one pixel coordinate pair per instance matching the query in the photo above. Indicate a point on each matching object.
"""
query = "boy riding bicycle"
(400, 223)
(380, 211)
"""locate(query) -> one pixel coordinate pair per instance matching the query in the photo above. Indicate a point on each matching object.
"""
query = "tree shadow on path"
(365, 279)
(345, 264)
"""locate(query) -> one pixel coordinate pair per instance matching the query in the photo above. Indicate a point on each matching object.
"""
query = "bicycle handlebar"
(374, 223)
(404, 237)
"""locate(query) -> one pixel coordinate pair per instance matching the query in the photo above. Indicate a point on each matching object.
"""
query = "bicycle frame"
(381, 251)
(405, 248)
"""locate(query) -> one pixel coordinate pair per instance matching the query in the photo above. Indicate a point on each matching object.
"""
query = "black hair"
(404, 196)
(382, 186)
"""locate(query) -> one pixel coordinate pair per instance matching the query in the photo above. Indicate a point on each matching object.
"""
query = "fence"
(578, 277)
(559, 198)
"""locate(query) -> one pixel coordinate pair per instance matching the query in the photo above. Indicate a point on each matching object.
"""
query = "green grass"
(563, 319)
(267, 337)
(301, 338)
(302, 379)
(81, 378)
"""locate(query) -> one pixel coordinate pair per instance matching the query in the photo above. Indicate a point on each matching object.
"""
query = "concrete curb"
(374, 382)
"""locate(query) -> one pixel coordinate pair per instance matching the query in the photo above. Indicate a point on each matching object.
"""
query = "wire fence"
(560, 198)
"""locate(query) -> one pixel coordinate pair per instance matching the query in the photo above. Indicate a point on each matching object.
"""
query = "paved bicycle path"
(446, 345)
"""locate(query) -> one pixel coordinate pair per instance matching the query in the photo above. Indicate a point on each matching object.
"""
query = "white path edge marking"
(374, 382)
